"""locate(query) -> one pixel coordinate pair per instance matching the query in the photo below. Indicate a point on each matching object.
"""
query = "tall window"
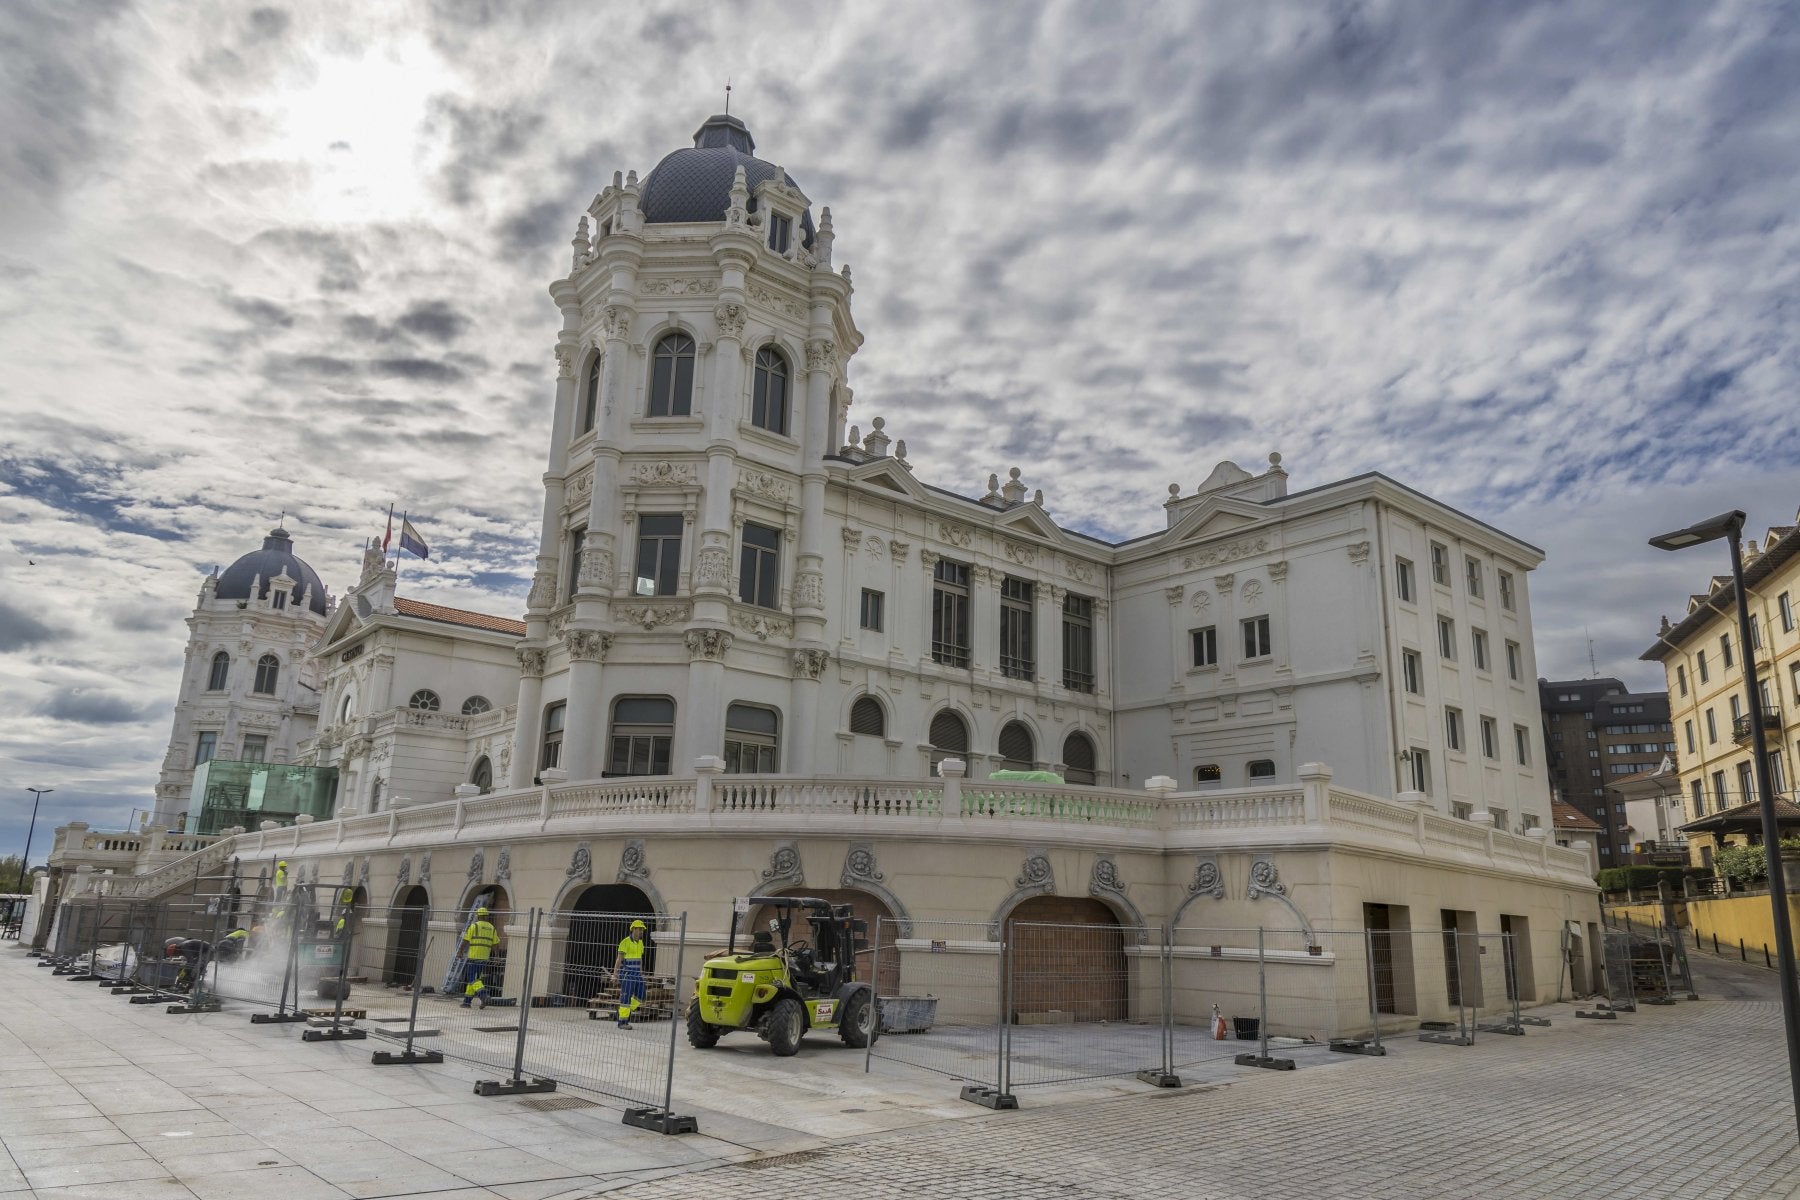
(871, 611)
(1446, 638)
(1522, 744)
(950, 614)
(1725, 650)
(1507, 600)
(1472, 571)
(659, 553)
(1018, 621)
(868, 718)
(1403, 579)
(1079, 761)
(1712, 728)
(781, 229)
(1078, 643)
(1205, 645)
(268, 672)
(1700, 667)
(1412, 670)
(1787, 612)
(1721, 797)
(577, 546)
(256, 748)
(769, 400)
(425, 700)
(1453, 729)
(1755, 632)
(590, 394)
(1440, 565)
(1256, 638)
(206, 744)
(1490, 738)
(759, 566)
(1514, 657)
(751, 740)
(1478, 648)
(551, 754)
(1419, 771)
(474, 706)
(1017, 746)
(1697, 793)
(220, 675)
(672, 377)
(949, 738)
(1746, 774)
(1692, 743)
(483, 775)
(643, 731)
(1681, 678)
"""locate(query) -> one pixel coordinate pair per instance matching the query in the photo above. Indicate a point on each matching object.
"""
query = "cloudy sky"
(1538, 260)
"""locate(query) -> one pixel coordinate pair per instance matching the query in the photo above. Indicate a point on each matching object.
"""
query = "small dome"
(259, 567)
(695, 185)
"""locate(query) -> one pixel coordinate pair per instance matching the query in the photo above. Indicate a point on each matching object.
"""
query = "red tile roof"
(457, 616)
(1566, 816)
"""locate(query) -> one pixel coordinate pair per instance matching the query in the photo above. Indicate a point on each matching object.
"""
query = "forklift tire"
(787, 1025)
(701, 1035)
(858, 1026)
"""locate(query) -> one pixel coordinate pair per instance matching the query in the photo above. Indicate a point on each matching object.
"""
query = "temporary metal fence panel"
(942, 1012)
(1621, 982)
(1082, 1002)
(475, 1017)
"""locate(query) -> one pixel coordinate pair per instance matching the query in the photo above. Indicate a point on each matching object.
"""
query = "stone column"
(1231, 638)
(1180, 654)
(712, 574)
(527, 725)
(803, 738)
(984, 618)
(705, 721)
(1048, 631)
(585, 729)
(568, 344)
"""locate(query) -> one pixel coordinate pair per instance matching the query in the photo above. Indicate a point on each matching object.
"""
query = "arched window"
(1208, 775)
(1262, 768)
(1078, 758)
(220, 674)
(551, 753)
(868, 718)
(474, 706)
(643, 731)
(590, 394)
(672, 377)
(268, 670)
(483, 775)
(1017, 746)
(769, 402)
(346, 707)
(949, 738)
(752, 740)
(425, 700)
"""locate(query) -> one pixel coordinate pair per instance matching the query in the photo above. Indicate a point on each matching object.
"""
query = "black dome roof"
(695, 185)
(260, 566)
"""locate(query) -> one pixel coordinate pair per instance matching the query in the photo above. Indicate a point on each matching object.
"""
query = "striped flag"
(411, 541)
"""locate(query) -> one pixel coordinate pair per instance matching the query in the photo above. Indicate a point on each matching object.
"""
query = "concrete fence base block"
(990, 1098)
(1268, 1063)
(657, 1121)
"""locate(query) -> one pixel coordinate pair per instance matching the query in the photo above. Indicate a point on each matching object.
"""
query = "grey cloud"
(55, 99)
(20, 630)
(267, 24)
(259, 311)
(340, 268)
(434, 319)
(483, 140)
(91, 708)
(430, 370)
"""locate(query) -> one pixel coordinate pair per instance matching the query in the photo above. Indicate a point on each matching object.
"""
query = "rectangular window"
(1478, 649)
(1737, 707)
(1421, 772)
(256, 748)
(1412, 670)
(1692, 745)
(1794, 679)
(1256, 638)
(643, 732)
(1746, 789)
(1205, 644)
(659, 554)
(206, 744)
(1018, 625)
(1712, 728)
(1472, 572)
(1700, 666)
(759, 566)
(1453, 729)
(1697, 791)
(1403, 579)
(1508, 601)
(1681, 679)
(1787, 612)
(1725, 650)
(1490, 738)
(1447, 638)
(1078, 643)
(1522, 744)
(751, 743)
(577, 545)
(1515, 657)
(1440, 565)
(872, 604)
(780, 230)
(950, 613)
(551, 755)
(1755, 631)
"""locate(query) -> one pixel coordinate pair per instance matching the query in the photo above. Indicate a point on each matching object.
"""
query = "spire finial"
(728, 95)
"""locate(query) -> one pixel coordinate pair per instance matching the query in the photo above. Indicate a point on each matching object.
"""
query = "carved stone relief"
(1242, 548)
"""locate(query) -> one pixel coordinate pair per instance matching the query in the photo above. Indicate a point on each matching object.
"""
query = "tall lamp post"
(1730, 527)
(37, 797)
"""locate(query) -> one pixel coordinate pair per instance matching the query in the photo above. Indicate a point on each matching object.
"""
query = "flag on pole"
(410, 539)
(389, 535)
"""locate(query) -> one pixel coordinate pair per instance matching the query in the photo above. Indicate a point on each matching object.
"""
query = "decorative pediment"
(1030, 520)
(888, 475)
(1213, 517)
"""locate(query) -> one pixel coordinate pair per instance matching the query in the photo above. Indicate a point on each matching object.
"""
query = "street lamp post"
(37, 797)
(1730, 527)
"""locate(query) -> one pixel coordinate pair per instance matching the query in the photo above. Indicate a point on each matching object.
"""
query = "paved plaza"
(99, 1098)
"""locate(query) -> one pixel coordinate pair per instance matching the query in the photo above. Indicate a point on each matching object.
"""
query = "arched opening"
(1078, 758)
(949, 738)
(220, 674)
(406, 920)
(483, 775)
(268, 671)
(867, 717)
(864, 907)
(590, 394)
(1017, 747)
(769, 396)
(598, 920)
(1067, 954)
(672, 377)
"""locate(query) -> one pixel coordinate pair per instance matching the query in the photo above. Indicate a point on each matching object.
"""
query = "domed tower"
(247, 686)
(700, 386)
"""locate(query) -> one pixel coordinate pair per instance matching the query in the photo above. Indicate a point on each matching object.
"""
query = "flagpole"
(399, 551)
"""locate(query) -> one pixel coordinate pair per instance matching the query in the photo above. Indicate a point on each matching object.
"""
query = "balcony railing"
(1740, 726)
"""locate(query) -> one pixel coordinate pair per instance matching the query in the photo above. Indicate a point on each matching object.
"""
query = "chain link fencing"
(941, 992)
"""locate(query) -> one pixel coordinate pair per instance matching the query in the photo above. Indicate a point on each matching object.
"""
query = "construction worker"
(193, 953)
(628, 969)
(479, 940)
(280, 878)
(231, 947)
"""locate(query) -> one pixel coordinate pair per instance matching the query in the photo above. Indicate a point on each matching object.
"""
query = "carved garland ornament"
(477, 867)
(581, 865)
(762, 626)
(730, 318)
(708, 644)
(663, 474)
(649, 616)
(503, 866)
(770, 487)
(1242, 548)
(425, 868)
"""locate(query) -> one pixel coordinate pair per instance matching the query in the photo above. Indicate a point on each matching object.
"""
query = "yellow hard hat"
(638, 925)
(281, 862)
(481, 912)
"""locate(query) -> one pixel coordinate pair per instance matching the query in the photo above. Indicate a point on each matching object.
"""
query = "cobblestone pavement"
(1684, 1101)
